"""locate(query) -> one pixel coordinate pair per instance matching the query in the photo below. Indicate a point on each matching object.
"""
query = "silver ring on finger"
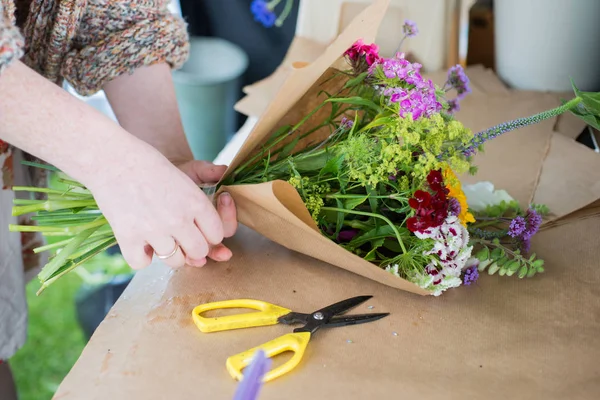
(171, 254)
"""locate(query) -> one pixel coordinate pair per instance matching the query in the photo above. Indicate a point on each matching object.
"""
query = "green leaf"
(380, 232)
(333, 165)
(287, 149)
(351, 204)
(340, 218)
(371, 255)
(483, 254)
(393, 245)
(355, 81)
(493, 268)
(590, 99)
(497, 253)
(312, 162)
(373, 201)
(523, 272)
(356, 101)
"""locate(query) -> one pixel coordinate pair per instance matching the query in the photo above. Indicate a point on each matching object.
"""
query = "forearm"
(44, 120)
(146, 106)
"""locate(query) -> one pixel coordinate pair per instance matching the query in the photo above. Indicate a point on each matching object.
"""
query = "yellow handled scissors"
(269, 314)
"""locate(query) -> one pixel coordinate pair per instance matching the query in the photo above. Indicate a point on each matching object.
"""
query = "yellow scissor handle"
(267, 314)
(295, 342)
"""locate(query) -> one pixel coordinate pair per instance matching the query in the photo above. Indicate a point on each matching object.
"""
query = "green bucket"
(207, 87)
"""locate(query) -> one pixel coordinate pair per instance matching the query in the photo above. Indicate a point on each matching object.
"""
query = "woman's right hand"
(154, 207)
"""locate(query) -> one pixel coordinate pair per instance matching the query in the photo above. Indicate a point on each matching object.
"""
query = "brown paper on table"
(523, 162)
(503, 338)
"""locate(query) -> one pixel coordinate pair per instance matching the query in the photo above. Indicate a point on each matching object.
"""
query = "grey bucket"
(207, 87)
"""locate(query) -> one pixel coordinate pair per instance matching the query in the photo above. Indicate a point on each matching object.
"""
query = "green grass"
(54, 340)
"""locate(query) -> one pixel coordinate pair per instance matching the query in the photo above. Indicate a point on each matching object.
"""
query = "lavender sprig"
(495, 131)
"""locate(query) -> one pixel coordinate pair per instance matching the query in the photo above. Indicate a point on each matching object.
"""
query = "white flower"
(393, 269)
(482, 194)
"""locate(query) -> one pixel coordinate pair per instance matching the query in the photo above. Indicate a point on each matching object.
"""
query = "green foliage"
(505, 261)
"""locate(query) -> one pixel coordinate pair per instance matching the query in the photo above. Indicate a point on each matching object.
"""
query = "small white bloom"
(393, 269)
(482, 194)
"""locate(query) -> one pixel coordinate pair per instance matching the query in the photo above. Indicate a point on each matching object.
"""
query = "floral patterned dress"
(87, 43)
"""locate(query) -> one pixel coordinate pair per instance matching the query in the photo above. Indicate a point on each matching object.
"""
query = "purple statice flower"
(453, 106)
(517, 227)
(410, 28)
(471, 275)
(346, 123)
(454, 207)
(458, 80)
(263, 13)
(252, 381)
(534, 221)
(347, 235)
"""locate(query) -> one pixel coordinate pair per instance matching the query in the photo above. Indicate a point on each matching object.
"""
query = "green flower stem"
(52, 205)
(61, 230)
(358, 196)
(63, 255)
(49, 191)
(96, 237)
(72, 264)
(367, 214)
(285, 13)
(506, 249)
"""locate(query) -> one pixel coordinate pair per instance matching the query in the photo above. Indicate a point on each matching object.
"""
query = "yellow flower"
(454, 187)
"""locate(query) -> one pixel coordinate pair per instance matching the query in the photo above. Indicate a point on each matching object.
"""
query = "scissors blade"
(354, 319)
(344, 305)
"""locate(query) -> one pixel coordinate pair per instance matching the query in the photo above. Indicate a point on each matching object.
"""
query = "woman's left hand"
(207, 172)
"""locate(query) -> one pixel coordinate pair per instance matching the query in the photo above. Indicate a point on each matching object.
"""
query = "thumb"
(208, 172)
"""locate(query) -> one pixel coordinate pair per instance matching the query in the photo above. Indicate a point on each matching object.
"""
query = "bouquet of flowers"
(374, 160)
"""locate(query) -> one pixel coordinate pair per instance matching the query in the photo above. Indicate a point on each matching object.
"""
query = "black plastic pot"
(92, 303)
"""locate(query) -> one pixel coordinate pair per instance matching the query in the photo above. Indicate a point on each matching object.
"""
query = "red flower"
(435, 180)
(420, 200)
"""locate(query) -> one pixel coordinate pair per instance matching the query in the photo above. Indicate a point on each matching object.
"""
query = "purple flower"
(458, 80)
(471, 275)
(347, 235)
(525, 245)
(253, 377)
(346, 123)
(534, 221)
(410, 28)
(453, 106)
(517, 227)
(454, 207)
(263, 13)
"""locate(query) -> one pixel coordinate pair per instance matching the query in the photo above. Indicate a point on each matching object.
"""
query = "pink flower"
(359, 49)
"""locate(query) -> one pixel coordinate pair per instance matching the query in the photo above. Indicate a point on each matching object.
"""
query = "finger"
(209, 222)
(220, 253)
(135, 255)
(163, 249)
(228, 214)
(193, 244)
(207, 171)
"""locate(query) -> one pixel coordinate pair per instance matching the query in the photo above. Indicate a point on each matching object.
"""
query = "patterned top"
(90, 42)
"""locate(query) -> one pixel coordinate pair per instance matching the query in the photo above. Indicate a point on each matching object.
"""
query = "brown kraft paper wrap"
(518, 162)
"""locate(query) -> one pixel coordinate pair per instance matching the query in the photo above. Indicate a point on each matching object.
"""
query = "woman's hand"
(206, 172)
(152, 206)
